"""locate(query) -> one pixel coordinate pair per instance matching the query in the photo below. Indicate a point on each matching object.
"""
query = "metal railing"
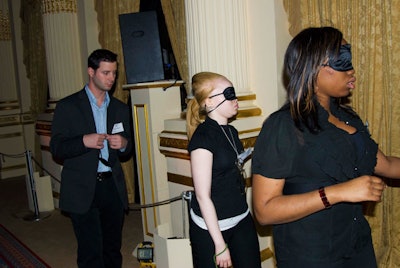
(185, 196)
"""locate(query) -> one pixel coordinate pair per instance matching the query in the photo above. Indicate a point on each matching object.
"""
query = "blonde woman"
(222, 230)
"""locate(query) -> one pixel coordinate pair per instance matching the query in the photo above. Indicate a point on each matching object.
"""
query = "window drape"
(174, 13)
(34, 59)
(34, 54)
(370, 27)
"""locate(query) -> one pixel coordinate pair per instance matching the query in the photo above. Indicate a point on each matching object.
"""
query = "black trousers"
(242, 241)
(99, 231)
(363, 259)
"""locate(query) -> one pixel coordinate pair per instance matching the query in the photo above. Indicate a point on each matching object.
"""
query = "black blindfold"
(229, 94)
(343, 62)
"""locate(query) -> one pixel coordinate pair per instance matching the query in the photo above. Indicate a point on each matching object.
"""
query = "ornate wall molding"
(5, 28)
(58, 6)
(16, 119)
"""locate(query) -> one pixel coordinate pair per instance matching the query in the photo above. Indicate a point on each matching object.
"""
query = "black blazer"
(72, 119)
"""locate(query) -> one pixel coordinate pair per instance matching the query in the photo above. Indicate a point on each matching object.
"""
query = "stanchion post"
(36, 215)
(186, 196)
(32, 184)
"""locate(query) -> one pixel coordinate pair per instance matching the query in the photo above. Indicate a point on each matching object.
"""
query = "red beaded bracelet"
(323, 197)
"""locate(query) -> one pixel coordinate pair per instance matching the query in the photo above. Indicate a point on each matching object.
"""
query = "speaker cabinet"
(141, 47)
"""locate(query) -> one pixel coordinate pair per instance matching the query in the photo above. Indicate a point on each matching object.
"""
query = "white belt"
(224, 224)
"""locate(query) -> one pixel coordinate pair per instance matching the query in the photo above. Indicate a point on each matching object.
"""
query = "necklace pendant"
(242, 177)
(239, 165)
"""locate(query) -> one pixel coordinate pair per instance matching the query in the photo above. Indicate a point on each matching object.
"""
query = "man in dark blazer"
(90, 131)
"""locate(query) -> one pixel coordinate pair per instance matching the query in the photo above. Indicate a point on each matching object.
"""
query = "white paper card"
(118, 127)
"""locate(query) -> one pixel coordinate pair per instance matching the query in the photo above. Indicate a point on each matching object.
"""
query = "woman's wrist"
(323, 197)
(219, 253)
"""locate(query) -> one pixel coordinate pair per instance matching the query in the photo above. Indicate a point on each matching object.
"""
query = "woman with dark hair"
(222, 231)
(314, 161)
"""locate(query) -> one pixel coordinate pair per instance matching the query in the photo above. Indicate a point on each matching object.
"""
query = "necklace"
(232, 143)
(243, 155)
(238, 162)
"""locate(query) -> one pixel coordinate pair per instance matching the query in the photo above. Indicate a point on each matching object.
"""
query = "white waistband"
(224, 224)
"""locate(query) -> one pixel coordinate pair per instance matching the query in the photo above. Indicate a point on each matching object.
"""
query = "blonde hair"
(202, 85)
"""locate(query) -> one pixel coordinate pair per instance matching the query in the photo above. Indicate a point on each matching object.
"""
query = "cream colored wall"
(88, 31)
(268, 39)
(282, 40)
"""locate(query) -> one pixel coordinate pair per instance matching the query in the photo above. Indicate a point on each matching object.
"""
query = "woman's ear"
(208, 102)
(316, 88)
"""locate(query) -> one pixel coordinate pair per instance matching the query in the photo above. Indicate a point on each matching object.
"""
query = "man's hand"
(94, 140)
(117, 141)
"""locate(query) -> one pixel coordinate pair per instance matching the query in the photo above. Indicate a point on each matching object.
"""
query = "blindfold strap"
(216, 106)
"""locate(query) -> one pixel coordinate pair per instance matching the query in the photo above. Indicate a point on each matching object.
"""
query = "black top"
(227, 191)
(308, 161)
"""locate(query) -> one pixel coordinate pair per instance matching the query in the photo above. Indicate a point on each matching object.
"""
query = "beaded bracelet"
(324, 199)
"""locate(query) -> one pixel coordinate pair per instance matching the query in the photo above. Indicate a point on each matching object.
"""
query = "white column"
(64, 71)
(63, 54)
(217, 39)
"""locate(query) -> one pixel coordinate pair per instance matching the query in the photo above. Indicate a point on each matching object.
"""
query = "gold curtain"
(34, 59)
(34, 54)
(369, 25)
(174, 13)
(110, 38)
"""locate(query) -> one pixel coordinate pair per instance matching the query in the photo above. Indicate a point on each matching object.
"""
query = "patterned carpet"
(14, 254)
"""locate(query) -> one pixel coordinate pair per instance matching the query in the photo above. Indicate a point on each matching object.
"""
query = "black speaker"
(141, 47)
